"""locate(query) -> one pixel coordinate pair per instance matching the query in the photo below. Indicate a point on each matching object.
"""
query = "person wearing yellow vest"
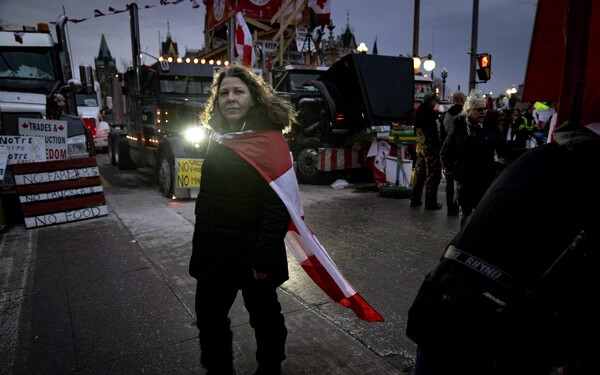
(525, 125)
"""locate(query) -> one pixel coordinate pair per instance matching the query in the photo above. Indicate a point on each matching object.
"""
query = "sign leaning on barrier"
(63, 191)
(54, 133)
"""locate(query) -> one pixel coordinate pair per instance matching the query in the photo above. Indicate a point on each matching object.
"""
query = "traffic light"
(484, 61)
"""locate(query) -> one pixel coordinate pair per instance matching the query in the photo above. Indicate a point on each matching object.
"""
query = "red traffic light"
(484, 60)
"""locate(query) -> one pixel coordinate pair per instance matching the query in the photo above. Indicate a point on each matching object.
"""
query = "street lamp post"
(428, 64)
(444, 76)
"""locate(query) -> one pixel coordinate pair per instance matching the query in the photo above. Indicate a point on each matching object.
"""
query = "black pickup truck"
(358, 97)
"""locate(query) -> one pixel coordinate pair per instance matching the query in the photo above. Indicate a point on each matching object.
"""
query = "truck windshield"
(27, 69)
(185, 85)
(86, 100)
(302, 81)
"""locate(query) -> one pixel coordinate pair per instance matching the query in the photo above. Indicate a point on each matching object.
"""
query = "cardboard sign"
(53, 131)
(55, 192)
(188, 172)
(23, 149)
(3, 161)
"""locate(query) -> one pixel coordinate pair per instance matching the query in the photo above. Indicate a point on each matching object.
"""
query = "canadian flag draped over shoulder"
(243, 41)
(268, 153)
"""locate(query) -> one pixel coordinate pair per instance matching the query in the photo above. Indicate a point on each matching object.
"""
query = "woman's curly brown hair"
(266, 102)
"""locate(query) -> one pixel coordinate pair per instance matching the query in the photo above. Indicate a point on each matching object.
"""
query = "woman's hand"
(259, 275)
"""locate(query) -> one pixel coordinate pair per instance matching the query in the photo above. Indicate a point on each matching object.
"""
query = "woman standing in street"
(468, 154)
(240, 226)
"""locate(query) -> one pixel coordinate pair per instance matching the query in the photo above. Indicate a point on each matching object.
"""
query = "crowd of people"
(469, 144)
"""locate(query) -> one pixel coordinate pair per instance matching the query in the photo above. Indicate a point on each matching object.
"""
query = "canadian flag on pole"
(268, 153)
(322, 10)
(243, 41)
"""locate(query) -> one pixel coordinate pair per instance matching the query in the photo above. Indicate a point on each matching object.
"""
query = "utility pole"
(415, 51)
(473, 52)
(231, 34)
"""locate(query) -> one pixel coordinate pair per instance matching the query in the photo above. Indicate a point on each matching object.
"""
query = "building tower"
(168, 48)
(105, 67)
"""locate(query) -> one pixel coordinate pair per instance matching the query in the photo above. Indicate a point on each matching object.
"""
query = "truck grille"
(9, 124)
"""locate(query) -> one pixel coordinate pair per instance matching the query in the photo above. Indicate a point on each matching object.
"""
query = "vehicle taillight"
(90, 123)
(339, 117)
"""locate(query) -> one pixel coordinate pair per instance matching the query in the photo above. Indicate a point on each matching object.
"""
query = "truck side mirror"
(75, 86)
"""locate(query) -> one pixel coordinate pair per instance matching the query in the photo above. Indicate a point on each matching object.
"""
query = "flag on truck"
(268, 153)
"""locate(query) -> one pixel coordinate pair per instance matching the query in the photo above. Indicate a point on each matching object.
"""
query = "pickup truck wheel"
(307, 161)
(164, 175)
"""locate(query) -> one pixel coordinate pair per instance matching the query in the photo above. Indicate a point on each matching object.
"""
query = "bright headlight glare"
(194, 134)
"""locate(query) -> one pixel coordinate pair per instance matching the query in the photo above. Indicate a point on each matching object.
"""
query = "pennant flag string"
(113, 11)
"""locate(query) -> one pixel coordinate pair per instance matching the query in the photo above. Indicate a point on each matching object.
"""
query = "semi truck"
(89, 104)
(163, 103)
(36, 82)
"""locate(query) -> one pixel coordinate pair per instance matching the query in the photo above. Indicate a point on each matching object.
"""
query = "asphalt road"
(382, 246)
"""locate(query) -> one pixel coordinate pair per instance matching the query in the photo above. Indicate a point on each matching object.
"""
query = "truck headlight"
(76, 146)
(194, 134)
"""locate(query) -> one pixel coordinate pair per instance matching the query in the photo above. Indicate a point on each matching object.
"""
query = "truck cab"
(33, 85)
(88, 108)
(162, 119)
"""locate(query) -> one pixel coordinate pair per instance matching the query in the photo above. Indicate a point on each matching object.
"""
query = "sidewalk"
(88, 300)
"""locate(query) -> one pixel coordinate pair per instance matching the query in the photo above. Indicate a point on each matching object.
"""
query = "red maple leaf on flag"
(19, 36)
(25, 125)
(321, 3)
(60, 127)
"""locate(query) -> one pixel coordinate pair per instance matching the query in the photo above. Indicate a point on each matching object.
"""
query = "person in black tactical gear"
(514, 291)
(428, 170)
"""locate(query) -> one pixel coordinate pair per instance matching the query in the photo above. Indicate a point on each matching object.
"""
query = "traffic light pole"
(474, 27)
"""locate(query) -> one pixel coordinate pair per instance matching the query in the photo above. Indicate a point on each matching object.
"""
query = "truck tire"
(307, 159)
(165, 174)
(122, 160)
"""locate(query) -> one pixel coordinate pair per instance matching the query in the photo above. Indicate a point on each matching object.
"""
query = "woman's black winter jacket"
(240, 222)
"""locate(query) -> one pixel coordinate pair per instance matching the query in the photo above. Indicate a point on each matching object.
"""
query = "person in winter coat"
(467, 155)
(514, 292)
(428, 171)
(458, 100)
(241, 223)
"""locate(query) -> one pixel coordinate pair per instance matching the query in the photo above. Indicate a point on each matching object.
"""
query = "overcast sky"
(505, 28)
